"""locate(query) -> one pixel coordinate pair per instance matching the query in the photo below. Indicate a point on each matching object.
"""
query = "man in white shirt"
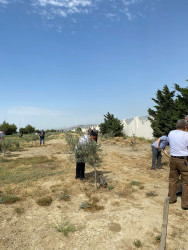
(178, 141)
(80, 164)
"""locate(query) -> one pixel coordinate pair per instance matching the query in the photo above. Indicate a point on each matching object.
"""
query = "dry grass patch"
(126, 191)
(19, 210)
(151, 194)
(8, 199)
(28, 169)
(44, 201)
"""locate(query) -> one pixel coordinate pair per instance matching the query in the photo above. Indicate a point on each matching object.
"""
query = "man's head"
(93, 135)
(181, 124)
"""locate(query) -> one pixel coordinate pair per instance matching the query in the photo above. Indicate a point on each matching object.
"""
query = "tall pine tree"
(164, 117)
(181, 101)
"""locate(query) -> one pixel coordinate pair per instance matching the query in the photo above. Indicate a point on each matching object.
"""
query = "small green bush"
(84, 204)
(111, 187)
(135, 183)
(44, 201)
(65, 227)
(137, 243)
(158, 238)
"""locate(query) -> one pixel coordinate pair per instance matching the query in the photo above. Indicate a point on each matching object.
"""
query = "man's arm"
(158, 141)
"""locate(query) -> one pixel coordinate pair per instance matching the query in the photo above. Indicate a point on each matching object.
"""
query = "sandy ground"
(128, 214)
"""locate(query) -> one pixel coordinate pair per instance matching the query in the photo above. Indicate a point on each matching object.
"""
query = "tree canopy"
(27, 130)
(8, 128)
(170, 106)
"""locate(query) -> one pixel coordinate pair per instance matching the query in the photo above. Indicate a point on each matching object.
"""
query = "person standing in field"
(42, 136)
(96, 132)
(178, 141)
(156, 147)
(80, 161)
(2, 135)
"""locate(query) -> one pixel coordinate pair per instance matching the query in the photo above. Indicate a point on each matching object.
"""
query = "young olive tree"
(90, 153)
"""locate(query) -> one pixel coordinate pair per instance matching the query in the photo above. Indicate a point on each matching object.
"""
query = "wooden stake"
(164, 226)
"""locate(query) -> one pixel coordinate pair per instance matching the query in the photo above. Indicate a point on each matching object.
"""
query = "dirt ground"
(130, 209)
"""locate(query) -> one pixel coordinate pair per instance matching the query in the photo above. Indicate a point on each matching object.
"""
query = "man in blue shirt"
(156, 147)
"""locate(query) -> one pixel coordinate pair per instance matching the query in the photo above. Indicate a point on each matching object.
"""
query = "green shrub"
(65, 227)
(158, 238)
(135, 183)
(137, 243)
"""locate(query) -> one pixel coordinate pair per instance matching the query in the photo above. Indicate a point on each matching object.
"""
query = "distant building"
(138, 126)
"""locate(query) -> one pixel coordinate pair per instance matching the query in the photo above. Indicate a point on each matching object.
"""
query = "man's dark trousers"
(80, 170)
(156, 155)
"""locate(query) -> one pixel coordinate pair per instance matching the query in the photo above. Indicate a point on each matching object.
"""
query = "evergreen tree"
(111, 125)
(181, 101)
(164, 117)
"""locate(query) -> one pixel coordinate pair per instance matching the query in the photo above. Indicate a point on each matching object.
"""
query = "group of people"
(178, 141)
(41, 135)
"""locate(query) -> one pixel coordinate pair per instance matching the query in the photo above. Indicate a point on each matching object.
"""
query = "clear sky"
(69, 62)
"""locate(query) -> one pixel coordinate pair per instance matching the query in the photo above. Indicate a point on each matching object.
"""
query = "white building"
(138, 126)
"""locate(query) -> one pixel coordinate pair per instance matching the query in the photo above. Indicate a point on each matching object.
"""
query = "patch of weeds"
(151, 194)
(133, 143)
(64, 196)
(44, 201)
(92, 205)
(135, 183)
(8, 199)
(158, 238)
(111, 187)
(84, 205)
(137, 243)
(18, 210)
(65, 227)
(124, 136)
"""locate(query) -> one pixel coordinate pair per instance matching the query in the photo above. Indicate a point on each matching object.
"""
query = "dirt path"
(131, 212)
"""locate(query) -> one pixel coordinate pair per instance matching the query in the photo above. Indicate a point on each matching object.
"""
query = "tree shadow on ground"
(91, 175)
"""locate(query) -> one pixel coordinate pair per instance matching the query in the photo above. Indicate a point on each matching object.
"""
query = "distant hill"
(81, 126)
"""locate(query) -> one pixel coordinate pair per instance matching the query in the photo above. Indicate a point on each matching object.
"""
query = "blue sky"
(69, 62)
